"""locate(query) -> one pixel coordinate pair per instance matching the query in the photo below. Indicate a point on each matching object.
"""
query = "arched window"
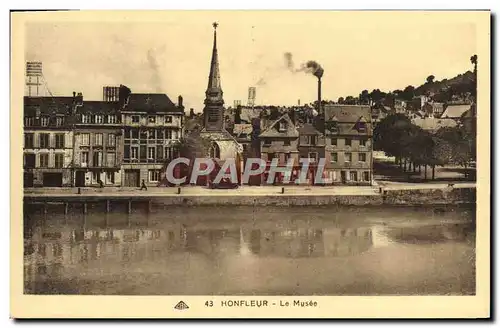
(214, 150)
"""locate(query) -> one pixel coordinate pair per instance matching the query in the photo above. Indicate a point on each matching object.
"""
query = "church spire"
(214, 85)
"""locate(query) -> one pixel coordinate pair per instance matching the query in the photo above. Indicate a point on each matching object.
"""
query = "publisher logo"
(181, 306)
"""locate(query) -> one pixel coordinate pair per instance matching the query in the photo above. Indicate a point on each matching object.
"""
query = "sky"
(169, 52)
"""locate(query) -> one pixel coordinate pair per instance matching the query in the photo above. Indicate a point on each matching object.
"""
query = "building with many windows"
(48, 141)
(152, 127)
(98, 142)
(349, 144)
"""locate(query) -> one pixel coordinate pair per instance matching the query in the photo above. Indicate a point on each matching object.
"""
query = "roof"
(242, 129)
(47, 105)
(308, 129)
(433, 124)
(99, 107)
(455, 111)
(347, 113)
(248, 113)
(151, 102)
(273, 131)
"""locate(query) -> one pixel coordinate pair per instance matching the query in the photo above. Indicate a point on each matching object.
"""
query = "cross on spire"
(215, 24)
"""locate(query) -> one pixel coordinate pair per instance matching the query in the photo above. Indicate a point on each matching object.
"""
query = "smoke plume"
(261, 82)
(155, 75)
(311, 67)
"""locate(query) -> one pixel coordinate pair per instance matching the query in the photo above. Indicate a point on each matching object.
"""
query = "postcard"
(250, 164)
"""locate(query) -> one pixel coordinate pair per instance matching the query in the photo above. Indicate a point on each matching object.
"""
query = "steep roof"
(104, 107)
(249, 113)
(308, 129)
(433, 124)
(273, 131)
(242, 129)
(151, 102)
(47, 105)
(455, 111)
(347, 113)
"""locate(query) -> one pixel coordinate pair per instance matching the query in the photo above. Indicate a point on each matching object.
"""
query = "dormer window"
(59, 121)
(152, 119)
(44, 121)
(111, 119)
(168, 119)
(99, 119)
(334, 128)
(361, 126)
(135, 118)
(282, 126)
(85, 118)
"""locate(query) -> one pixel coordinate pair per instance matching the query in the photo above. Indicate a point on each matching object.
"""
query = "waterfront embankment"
(408, 194)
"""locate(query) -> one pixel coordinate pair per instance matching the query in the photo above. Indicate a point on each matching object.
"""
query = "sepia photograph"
(262, 159)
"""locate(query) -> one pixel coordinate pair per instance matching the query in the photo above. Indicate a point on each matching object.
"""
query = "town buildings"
(48, 141)
(152, 127)
(349, 144)
(98, 144)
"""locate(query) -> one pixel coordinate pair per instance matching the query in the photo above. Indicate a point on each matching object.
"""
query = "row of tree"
(415, 148)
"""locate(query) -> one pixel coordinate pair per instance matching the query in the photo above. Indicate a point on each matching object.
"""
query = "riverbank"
(407, 194)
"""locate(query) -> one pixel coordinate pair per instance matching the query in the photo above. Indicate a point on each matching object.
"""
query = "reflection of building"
(48, 140)
(343, 242)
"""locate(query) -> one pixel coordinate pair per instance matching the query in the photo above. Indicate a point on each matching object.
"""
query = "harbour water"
(252, 251)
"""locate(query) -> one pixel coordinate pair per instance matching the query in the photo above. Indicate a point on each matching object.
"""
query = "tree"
(350, 100)
(389, 132)
(408, 93)
(341, 100)
(430, 79)
(364, 97)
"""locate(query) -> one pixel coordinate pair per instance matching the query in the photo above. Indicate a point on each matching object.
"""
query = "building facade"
(152, 127)
(98, 144)
(48, 141)
(349, 144)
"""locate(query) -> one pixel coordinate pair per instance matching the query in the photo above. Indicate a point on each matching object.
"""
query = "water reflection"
(200, 253)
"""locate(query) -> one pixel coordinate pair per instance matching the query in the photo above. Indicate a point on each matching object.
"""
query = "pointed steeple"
(214, 90)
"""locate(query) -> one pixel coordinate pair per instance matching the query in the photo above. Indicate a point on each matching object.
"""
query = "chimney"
(319, 96)
(298, 102)
(191, 113)
(74, 94)
(179, 102)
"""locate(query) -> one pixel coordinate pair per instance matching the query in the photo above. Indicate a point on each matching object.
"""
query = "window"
(85, 158)
(111, 140)
(58, 160)
(362, 142)
(168, 134)
(270, 156)
(110, 177)
(154, 175)
(60, 140)
(151, 152)
(354, 176)
(85, 118)
(97, 158)
(366, 176)
(168, 119)
(134, 152)
(334, 127)
(135, 119)
(362, 157)
(334, 157)
(267, 142)
(313, 157)
(287, 157)
(347, 142)
(29, 160)
(99, 119)
(85, 139)
(282, 126)
(333, 141)
(361, 126)
(312, 140)
(59, 121)
(44, 140)
(44, 160)
(96, 177)
(28, 121)
(152, 119)
(151, 134)
(98, 139)
(44, 121)
(168, 152)
(348, 157)
(286, 142)
(111, 119)
(135, 134)
(28, 140)
(110, 159)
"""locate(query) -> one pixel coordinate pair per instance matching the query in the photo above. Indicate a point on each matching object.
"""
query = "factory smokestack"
(320, 111)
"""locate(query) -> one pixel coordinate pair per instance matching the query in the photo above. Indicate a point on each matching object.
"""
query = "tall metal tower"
(33, 77)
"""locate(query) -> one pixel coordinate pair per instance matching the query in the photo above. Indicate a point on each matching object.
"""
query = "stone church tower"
(223, 144)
